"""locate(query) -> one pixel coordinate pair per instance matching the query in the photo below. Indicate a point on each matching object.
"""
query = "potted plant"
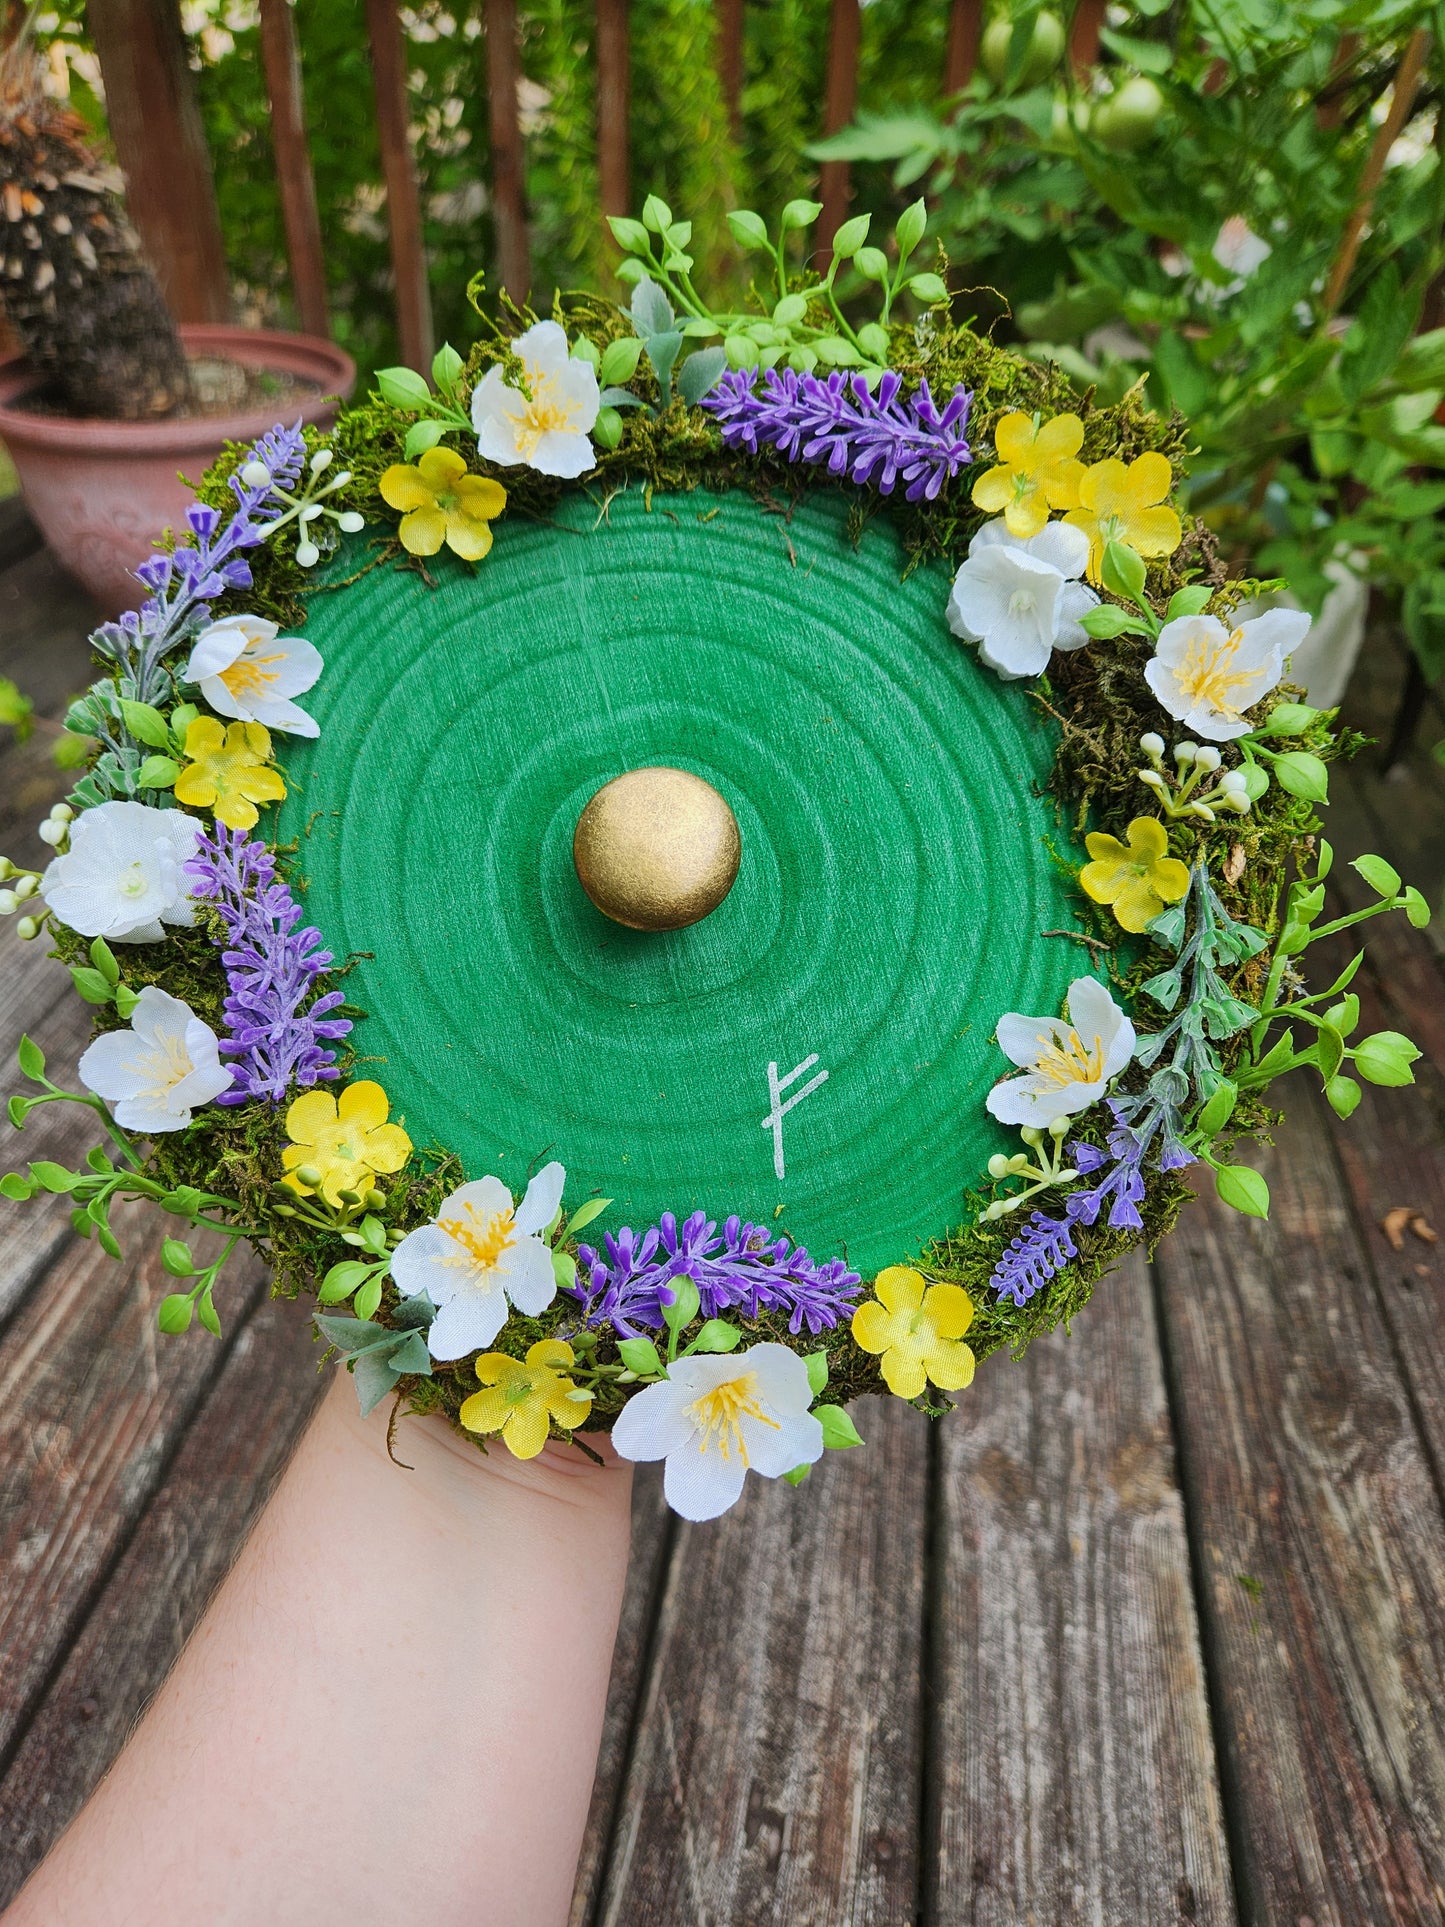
(109, 399)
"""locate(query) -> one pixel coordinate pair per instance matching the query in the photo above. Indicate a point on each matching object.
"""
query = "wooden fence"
(160, 142)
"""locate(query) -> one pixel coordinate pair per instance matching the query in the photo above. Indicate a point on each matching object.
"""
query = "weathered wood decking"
(1151, 1631)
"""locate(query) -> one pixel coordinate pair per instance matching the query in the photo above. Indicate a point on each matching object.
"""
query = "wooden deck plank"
(1390, 1155)
(653, 1534)
(182, 1548)
(93, 1403)
(36, 998)
(45, 622)
(1321, 1548)
(776, 1772)
(1073, 1764)
(1398, 811)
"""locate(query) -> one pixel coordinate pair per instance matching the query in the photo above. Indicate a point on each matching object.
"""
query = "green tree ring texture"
(821, 1042)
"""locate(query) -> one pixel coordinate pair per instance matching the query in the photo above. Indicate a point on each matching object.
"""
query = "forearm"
(391, 1710)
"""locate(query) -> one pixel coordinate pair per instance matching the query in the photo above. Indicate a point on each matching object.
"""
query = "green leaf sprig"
(378, 1356)
(1385, 1057)
(95, 1189)
(793, 329)
(442, 413)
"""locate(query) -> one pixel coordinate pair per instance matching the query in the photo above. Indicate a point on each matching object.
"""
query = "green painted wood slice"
(894, 886)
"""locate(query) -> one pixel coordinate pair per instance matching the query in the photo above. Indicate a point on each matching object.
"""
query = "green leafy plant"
(1176, 216)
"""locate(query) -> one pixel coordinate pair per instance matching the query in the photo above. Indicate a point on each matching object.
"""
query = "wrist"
(469, 1472)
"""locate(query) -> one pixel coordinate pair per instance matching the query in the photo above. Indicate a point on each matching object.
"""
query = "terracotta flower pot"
(102, 491)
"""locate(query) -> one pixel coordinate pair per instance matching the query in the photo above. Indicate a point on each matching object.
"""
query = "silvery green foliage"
(379, 1356)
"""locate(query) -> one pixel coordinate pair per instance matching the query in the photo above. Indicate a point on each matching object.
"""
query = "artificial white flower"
(476, 1254)
(122, 877)
(718, 1416)
(1067, 1064)
(248, 670)
(546, 428)
(1208, 674)
(155, 1074)
(1020, 598)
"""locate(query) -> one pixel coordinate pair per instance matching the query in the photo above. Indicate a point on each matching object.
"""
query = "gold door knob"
(657, 849)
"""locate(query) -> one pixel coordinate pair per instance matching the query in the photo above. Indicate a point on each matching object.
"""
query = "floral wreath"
(220, 1071)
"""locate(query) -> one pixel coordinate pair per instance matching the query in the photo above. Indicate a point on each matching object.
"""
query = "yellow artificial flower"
(1122, 504)
(229, 771)
(1036, 472)
(917, 1330)
(1139, 877)
(520, 1399)
(443, 504)
(346, 1140)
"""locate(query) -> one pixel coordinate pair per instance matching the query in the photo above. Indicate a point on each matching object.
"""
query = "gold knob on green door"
(657, 849)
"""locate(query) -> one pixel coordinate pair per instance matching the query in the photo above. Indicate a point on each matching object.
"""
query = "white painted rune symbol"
(776, 1086)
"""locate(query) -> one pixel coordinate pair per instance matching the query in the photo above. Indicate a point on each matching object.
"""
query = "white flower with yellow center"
(1067, 1064)
(476, 1254)
(123, 876)
(156, 1073)
(1207, 674)
(1021, 598)
(248, 670)
(547, 426)
(717, 1417)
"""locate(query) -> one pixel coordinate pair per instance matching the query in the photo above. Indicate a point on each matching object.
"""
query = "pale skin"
(391, 1710)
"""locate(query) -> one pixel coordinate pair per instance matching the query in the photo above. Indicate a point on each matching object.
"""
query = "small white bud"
(62, 812)
(1237, 800)
(310, 512)
(26, 929)
(1207, 757)
(1234, 779)
(340, 481)
(51, 833)
(321, 459)
(1152, 744)
(997, 1164)
(1031, 1134)
(1152, 778)
(9, 903)
(1185, 752)
(350, 522)
(26, 887)
(307, 554)
(256, 475)
(1059, 1127)
(7, 869)
(1203, 810)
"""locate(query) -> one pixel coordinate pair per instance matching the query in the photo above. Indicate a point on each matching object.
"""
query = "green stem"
(837, 313)
(93, 1103)
(1355, 916)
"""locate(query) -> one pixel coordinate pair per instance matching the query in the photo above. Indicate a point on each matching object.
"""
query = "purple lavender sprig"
(1145, 1124)
(184, 583)
(1149, 1126)
(742, 1269)
(276, 1038)
(867, 436)
(1042, 1249)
